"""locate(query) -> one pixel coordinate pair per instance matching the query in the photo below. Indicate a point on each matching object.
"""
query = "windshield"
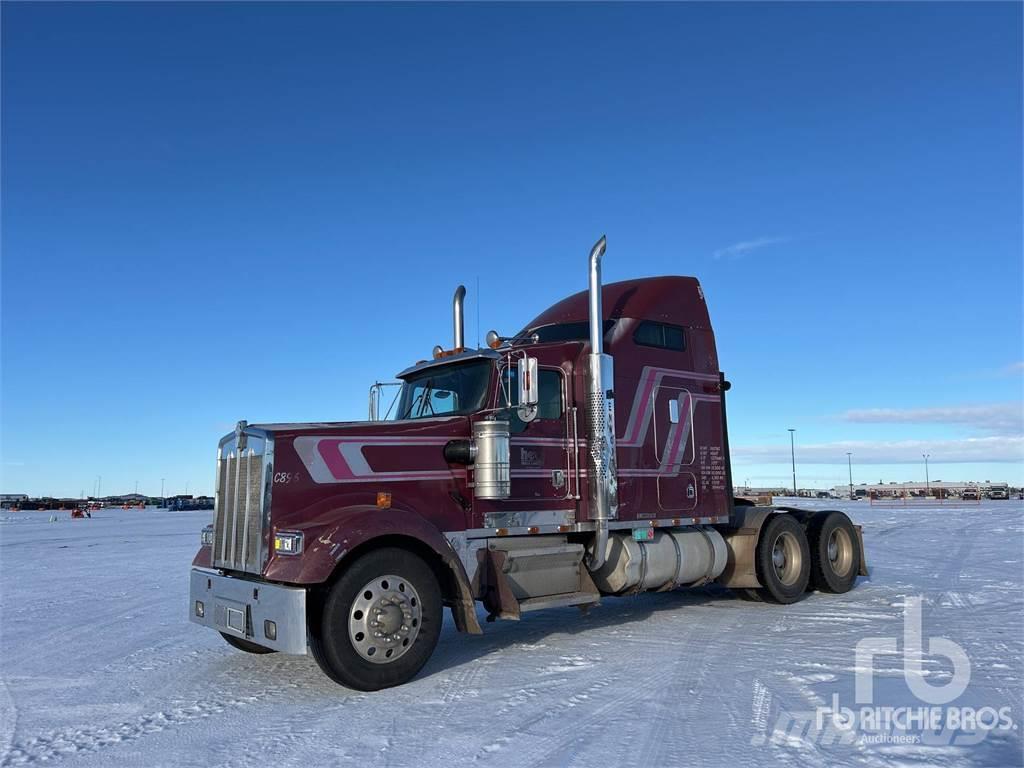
(446, 390)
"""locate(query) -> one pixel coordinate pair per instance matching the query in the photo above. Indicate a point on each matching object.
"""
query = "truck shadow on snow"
(300, 677)
(628, 619)
(621, 613)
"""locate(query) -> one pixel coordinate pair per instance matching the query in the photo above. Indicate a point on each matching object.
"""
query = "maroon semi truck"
(525, 475)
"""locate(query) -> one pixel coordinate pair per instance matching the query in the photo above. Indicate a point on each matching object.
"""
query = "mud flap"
(492, 586)
(863, 571)
(463, 607)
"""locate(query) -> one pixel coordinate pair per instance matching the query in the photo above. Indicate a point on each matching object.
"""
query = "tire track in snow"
(541, 747)
(543, 689)
(457, 685)
(8, 719)
(663, 735)
(543, 750)
(73, 741)
(59, 744)
(966, 538)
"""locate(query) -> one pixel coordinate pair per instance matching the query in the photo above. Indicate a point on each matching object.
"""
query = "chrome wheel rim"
(787, 559)
(840, 551)
(385, 619)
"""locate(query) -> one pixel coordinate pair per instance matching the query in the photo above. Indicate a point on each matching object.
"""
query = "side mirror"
(529, 388)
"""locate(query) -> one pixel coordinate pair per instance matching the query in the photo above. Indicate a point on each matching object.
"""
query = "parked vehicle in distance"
(971, 494)
(499, 476)
(998, 491)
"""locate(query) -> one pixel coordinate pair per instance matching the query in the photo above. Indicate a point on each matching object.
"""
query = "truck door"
(541, 449)
(673, 448)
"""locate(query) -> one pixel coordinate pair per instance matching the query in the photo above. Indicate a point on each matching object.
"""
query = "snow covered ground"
(99, 665)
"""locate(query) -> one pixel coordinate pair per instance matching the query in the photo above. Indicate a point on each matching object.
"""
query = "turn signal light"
(288, 543)
(383, 500)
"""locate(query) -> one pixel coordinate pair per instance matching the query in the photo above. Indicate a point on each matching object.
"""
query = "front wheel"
(380, 621)
(783, 560)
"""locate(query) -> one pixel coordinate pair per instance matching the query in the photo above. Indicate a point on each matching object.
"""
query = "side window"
(661, 335)
(550, 404)
(439, 401)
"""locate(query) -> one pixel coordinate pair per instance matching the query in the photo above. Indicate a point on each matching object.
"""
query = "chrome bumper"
(262, 613)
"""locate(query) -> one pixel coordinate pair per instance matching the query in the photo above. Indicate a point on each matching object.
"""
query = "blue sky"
(215, 212)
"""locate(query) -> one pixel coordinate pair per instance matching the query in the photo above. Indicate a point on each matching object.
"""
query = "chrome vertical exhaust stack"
(457, 318)
(596, 318)
(600, 409)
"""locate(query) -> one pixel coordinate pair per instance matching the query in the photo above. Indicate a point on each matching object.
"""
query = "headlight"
(206, 537)
(288, 543)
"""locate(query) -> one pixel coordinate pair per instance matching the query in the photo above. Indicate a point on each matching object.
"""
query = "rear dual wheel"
(380, 621)
(783, 560)
(835, 552)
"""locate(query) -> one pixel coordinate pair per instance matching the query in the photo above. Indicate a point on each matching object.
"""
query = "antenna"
(478, 311)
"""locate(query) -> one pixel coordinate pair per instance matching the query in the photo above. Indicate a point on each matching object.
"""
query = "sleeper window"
(661, 335)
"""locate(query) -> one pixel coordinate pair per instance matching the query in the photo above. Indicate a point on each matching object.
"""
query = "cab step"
(559, 601)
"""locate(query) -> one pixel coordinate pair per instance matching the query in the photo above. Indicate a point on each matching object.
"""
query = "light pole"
(849, 464)
(792, 455)
(927, 483)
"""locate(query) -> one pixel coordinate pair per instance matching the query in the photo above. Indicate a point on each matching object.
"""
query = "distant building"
(937, 488)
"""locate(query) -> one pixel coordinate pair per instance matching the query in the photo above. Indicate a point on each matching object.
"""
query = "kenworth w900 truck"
(528, 474)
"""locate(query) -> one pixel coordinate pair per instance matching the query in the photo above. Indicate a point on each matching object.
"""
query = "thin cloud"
(995, 449)
(747, 246)
(1012, 370)
(993, 418)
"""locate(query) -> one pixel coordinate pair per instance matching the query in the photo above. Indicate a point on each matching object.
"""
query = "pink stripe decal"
(328, 450)
(675, 456)
(647, 385)
(341, 460)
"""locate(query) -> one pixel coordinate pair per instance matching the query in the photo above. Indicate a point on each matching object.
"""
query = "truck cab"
(582, 457)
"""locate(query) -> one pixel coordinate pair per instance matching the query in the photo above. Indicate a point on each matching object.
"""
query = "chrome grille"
(240, 506)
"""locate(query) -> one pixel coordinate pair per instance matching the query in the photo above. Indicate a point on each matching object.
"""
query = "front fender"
(203, 558)
(326, 545)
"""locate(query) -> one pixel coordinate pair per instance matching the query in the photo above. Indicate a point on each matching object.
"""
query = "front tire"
(835, 554)
(380, 621)
(783, 560)
(245, 645)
